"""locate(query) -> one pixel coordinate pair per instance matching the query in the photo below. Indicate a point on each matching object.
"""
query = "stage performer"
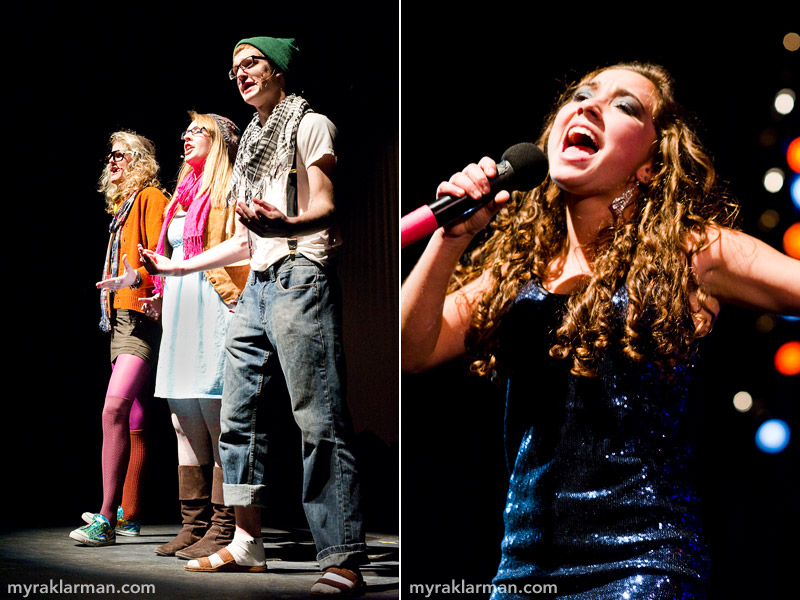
(588, 299)
(136, 202)
(287, 324)
(195, 313)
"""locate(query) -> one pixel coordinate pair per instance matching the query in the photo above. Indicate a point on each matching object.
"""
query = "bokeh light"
(791, 41)
(769, 219)
(791, 241)
(793, 155)
(772, 436)
(773, 180)
(742, 401)
(784, 101)
(787, 358)
(795, 192)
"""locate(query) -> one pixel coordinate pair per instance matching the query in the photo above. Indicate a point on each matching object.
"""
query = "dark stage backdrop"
(478, 87)
(143, 68)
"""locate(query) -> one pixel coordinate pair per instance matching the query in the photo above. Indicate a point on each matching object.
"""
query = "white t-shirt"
(315, 137)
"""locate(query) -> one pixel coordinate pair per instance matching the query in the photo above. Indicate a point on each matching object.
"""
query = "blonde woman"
(133, 197)
(588, 300)
(195, 312)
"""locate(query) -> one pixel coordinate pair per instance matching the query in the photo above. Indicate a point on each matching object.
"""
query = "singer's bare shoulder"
(737, 268)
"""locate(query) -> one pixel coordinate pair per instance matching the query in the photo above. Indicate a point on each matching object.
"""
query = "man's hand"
(263, 219)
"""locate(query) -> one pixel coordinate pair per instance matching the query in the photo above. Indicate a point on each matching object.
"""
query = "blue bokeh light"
(772, 436)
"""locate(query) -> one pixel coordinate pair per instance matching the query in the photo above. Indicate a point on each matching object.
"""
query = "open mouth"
(580, 141)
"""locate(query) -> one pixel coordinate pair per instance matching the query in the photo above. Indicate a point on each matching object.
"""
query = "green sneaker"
(124, 527)
(97, 533)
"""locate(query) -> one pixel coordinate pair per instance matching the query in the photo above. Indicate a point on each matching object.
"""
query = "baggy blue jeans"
(288, 320)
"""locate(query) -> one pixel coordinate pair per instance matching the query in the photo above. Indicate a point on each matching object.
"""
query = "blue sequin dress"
(600, 503)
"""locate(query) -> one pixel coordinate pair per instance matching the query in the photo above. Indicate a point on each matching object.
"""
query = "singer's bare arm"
(433, 324)
(744, 271)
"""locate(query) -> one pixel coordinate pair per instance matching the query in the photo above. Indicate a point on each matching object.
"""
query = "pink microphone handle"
(417, 225)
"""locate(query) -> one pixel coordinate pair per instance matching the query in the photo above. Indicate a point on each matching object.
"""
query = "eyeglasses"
(193, 131)
(246, 63)
(117, 155)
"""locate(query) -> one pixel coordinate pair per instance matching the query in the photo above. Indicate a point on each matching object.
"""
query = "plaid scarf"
(266, 151)
(111, 266)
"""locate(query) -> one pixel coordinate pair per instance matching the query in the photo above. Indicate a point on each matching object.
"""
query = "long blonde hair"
(219, 162)
(650, 254)
(142, 170)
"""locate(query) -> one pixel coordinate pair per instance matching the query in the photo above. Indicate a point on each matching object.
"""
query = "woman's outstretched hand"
(155, 264)
(128, 278)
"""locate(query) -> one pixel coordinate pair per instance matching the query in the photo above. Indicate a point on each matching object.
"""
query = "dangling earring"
(622, 202)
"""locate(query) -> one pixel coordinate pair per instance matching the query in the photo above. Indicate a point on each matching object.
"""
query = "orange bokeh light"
(791, 241)
(793, 155)
(787, 359)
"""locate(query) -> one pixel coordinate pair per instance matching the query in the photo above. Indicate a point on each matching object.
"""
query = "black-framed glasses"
(193, 131)
(117, 155)
(246, 63)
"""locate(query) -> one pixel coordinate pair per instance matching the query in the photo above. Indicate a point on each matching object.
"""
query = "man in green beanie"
(287, 322)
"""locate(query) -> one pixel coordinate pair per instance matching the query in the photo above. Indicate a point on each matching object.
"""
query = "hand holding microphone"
(522, 166)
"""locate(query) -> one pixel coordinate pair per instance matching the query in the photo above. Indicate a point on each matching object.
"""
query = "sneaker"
(124, 527)
(97, 533)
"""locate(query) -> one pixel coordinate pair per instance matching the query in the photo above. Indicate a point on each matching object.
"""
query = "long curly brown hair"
(650, 253)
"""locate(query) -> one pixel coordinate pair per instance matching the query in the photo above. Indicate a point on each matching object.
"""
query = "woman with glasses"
(134, 199)
(195, 312)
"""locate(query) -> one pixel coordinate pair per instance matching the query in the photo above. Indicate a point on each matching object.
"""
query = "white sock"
(245, 549)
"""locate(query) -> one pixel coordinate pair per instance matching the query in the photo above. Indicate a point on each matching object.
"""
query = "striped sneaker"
(97, 533)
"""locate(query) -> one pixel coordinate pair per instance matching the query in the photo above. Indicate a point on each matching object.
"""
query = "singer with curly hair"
(589, 298)
(134, 198)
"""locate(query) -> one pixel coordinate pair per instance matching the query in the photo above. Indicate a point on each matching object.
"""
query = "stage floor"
(38, 563)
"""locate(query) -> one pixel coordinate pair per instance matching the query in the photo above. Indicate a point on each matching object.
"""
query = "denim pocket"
(297, 276)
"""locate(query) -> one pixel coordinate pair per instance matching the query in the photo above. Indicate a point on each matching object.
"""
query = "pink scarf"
(197, 209)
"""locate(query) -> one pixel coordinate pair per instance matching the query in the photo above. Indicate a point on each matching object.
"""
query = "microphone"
(522, 166)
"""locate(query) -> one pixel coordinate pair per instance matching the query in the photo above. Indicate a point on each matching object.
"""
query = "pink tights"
(121, 413)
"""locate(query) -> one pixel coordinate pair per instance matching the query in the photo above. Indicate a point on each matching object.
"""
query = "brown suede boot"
(194, 494)
(223, 523)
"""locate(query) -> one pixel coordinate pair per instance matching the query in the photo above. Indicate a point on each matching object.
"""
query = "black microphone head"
(529, 164)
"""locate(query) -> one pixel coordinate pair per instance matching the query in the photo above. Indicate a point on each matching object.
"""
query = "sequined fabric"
(600, 502)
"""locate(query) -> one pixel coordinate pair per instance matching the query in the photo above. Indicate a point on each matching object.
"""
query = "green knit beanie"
(279, 50)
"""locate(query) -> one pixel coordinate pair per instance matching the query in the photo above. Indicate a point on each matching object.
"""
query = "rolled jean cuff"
(241, 494)
(347, 555)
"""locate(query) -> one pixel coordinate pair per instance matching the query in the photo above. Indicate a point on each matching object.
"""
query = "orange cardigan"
(143, 226)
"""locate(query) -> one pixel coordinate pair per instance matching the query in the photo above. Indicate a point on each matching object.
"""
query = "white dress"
(195, 320)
